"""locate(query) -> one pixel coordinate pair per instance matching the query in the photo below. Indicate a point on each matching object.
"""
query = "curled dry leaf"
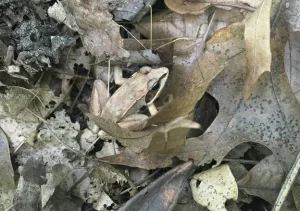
(292, 61)
(264, 180)
(212, 188)
(7, 184)
(258, 50)
(162, 194)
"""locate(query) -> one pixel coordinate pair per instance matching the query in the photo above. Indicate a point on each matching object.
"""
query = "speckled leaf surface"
(270, 117)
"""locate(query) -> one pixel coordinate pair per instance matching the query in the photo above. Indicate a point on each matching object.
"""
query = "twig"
(18, 147)
(150, 27)
(133, 36)
(289, 180)
(108, 79)
(202, 44)
(182, 38)
(252, 162)
(140, 182)
(92, 144)
(235, 5)
(81, 178)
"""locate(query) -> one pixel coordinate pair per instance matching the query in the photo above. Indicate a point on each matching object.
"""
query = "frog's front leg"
(99, 98)
(118, 76)
(133, 122)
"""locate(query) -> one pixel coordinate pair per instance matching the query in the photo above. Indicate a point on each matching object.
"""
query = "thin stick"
(10, 207)
(141, 182)
(235, 5)
(150, 27)
(92, 144)
(108, 79)
(81, 178)
(133, 37)
(289, 180)
(18, 147)
(252, 162)
(202, 44)
(182, 38)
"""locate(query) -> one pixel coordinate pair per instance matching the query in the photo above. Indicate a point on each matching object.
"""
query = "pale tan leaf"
(258, 51)
(212, 188)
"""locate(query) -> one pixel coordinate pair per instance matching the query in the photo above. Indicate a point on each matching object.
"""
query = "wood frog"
(123, 106)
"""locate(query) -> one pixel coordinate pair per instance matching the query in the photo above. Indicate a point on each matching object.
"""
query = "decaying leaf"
(270, 116)
(7, 184)
(257, 40)
(27, 196)
(264, 180)
(60, 178)
(49, 147)
(100, 34)
(293, 14)
(162, 194)
(212, 188)
(130, 10)
(199, 7)
(90, 189)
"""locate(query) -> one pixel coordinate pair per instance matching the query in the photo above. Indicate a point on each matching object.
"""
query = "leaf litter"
(107, 105)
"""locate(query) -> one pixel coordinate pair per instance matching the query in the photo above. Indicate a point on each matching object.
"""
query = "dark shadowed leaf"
(162, 194)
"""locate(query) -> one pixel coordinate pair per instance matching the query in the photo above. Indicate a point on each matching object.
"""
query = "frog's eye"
(152, 83)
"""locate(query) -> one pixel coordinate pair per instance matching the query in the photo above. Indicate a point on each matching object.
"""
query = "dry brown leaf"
(162, 194)
(199, 7)
(167, 24)
(258, 50)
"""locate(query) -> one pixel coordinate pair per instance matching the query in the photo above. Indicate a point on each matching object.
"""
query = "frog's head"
(157, 77)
